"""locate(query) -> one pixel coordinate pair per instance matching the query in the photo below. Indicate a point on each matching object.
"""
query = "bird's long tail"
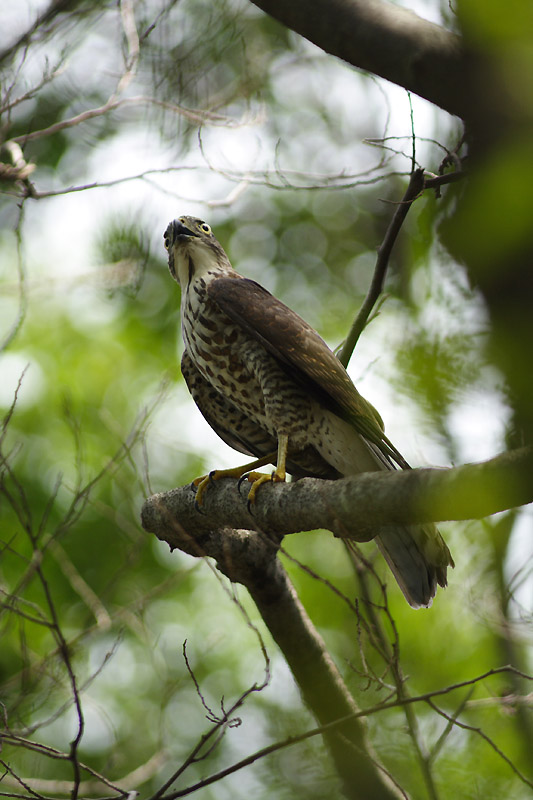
(418, 558)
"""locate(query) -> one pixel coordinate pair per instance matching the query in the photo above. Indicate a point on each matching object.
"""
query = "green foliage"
(92, 608)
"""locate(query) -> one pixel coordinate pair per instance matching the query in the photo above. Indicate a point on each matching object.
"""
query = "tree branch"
(416, 185)
(250, 558)
(354, 507)
(43, 26)
(384, 39)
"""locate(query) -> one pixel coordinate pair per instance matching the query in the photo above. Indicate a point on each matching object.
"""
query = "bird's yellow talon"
(257, 479)
(201, 484)
(204, 481)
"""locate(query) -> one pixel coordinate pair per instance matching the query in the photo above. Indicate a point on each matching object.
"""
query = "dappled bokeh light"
(214, 109)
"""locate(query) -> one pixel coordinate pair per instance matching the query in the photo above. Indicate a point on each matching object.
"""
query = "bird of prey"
(271, 388)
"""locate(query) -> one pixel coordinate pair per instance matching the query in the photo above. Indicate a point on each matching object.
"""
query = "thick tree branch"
(353, 507)
(250, 558)
(385, 39)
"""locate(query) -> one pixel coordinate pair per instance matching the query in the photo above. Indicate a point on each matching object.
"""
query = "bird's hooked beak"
(176, 233)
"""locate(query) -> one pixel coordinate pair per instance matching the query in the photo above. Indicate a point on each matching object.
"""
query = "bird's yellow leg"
(203, 481)
(257, 479)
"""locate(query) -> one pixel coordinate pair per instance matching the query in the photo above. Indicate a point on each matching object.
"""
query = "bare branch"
(48, 76)
(42, 26)
(65, 787)
(251, 560)
(80, 586)
(416, 185)
(21, 276)
(194, 115)
(390, 652)
(426, 698)
(384, 39)
(249, 557)
(352, 507)
(484, 736)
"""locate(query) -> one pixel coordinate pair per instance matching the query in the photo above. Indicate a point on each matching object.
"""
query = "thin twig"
(194, 754)
(226, 720)
(416, 185)
(363, 713)
(57, 755)
(484, 736)
(42, 23)
(391, 654)
(64, 650)
(439, 744)
(21, 269)
(197, 116)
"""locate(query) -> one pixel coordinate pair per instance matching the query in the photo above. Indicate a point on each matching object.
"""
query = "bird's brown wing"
(300, 350)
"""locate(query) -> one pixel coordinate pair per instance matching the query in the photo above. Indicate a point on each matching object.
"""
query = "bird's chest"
(240, 368)
(216, 345)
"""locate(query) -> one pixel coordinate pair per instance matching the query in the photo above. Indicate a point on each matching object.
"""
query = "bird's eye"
(167, 243)
(205, 227)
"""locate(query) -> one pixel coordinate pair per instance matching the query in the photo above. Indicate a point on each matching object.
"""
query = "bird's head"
(193, 250)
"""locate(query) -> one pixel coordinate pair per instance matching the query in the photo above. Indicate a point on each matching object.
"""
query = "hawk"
(271, 388)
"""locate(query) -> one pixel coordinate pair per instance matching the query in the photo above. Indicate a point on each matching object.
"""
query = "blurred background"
(115, 119)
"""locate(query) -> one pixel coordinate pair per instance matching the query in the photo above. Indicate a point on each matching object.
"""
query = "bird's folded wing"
(296, 346)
